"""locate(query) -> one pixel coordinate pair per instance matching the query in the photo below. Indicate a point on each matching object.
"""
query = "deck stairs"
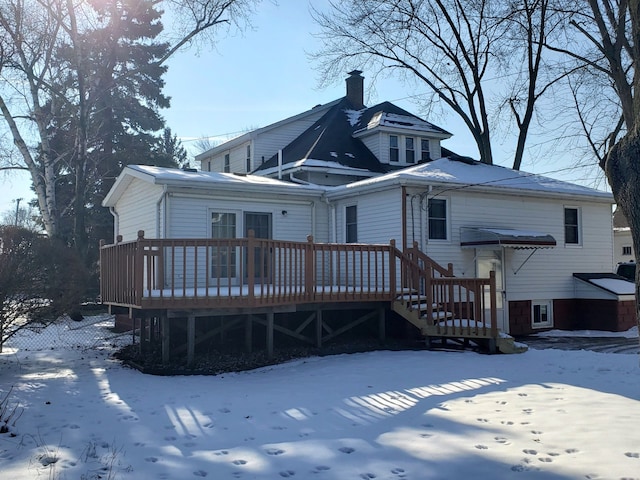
(432, 308)
(418, 313)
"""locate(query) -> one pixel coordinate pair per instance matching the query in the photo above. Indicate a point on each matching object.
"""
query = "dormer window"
(410, 150)
(424, 150)
(227, 164)
(394, 150)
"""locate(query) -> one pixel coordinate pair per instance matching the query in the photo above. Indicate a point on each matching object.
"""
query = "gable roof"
(227, 182)
(461, 173)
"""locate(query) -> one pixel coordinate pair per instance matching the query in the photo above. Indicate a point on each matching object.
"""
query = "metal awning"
(478, 237)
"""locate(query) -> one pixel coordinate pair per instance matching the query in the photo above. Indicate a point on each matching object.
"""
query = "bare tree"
(605, 43)
(456, 48)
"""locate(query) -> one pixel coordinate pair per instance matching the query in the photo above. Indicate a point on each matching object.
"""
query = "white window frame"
(346, 225)
(421, 156)
(447, 220)
(578, 226)
(402, 149)
(549, 305)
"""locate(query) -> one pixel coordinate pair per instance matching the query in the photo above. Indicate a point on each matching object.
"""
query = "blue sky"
(264, 75)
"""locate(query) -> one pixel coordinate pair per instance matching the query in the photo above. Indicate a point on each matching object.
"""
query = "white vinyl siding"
(189, 217)
(137, 209)
(549, 271)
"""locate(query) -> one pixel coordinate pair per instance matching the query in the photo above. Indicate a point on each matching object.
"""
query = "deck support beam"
(165, 328)
(382, 320)
(143, 332)
(319, 328)
(270, 323)
(248, 334)
(191, 339)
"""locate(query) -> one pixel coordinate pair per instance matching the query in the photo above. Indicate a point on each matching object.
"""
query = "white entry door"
(486, 261)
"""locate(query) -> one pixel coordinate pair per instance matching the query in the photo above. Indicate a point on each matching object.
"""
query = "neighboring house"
(622, 242)
(357, 178)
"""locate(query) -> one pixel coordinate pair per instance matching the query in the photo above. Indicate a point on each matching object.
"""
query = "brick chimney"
(355, 89)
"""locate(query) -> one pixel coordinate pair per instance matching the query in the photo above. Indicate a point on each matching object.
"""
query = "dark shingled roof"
(330, 139)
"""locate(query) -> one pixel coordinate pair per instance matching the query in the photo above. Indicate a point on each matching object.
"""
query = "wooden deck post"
(392, 269)
(143, 332)
(309, 269)
(494, 306)
(248, 333)
(251, 264)
(319, 328)
(270, 317)
(191, 339)
(165, 325)
(382, 319)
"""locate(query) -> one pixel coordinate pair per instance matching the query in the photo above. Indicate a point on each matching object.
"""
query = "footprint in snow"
(572, 450)
(274, 451)
(482, 447)
(632, 454)
(239, 462)
(151, 459)
(222, 452)
(224, 410)
(321, 468)
(545, 459)
(287, 473)
(200, 473)
(367, 476)
(530, 451)
(347, 450)
(397, 471)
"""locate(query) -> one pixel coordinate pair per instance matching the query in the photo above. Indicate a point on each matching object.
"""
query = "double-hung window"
(437, 211)
(410, 150)
(248, 158)
(424, 150)
(351, 224)
(571, 226)
(227, 164)
(394, 149)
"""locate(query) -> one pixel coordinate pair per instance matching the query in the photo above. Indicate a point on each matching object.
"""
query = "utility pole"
(17, 200)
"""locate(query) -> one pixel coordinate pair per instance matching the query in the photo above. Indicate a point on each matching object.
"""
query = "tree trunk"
(623, 172)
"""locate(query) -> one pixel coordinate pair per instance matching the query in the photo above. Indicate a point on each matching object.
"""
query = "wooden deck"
(207, 277)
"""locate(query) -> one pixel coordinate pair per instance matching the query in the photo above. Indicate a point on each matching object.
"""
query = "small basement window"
(626, 250)
(541, 314)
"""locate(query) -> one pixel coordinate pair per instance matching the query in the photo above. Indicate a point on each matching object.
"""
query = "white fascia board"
(241, 191)
(122, 183)
(410, 132)
(254, 133)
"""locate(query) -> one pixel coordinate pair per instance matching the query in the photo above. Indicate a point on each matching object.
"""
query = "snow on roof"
(475, 174)
(386, 119)
(164, 175)
(353, 116)
(312, 163)
(617, 286)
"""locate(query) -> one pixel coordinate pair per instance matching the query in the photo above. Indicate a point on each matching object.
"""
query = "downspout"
(332, 220)
(159, 216)
(116, 223)
(404, 217)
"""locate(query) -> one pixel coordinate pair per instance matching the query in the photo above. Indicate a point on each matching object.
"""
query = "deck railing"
(253, 272)
(450, 306)
(247, 272)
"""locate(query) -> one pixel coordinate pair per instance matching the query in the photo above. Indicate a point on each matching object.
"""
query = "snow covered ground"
(549, 414)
